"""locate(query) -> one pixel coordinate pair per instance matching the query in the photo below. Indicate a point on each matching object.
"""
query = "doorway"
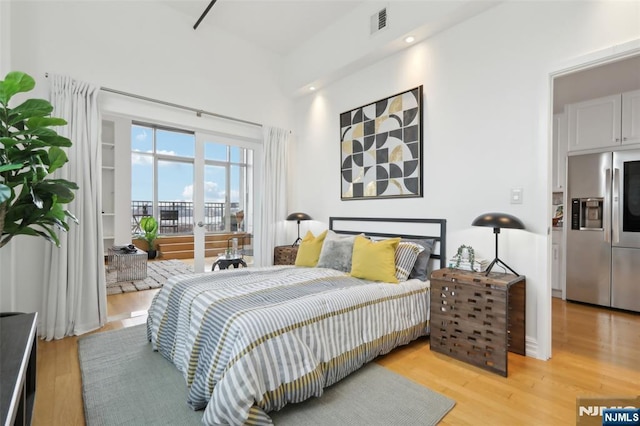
(610, 72)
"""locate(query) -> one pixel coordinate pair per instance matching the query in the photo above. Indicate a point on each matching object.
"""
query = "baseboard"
(531, 347)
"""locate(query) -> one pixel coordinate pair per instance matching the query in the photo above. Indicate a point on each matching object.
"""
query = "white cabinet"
(631, 117)
(557, 263)
(606, 122)
(559, 151)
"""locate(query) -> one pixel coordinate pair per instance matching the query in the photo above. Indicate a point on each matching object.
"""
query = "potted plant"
(149, 227)
(31, 202)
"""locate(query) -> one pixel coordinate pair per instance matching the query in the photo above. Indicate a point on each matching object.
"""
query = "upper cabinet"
(631, 117)
(608, 122)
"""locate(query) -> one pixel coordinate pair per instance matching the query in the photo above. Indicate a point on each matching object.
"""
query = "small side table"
(285, 255)
(224, 262)
(477, 318)
(128, 266)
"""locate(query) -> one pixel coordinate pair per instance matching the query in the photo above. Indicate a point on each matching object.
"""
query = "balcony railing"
(176, 217)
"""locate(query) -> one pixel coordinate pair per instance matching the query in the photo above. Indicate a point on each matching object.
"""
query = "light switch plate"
(516, 195)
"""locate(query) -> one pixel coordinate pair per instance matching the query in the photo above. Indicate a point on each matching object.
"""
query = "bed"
(249, 341)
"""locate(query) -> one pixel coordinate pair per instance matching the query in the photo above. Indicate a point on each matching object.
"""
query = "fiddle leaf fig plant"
(149, 227)
(31, 201)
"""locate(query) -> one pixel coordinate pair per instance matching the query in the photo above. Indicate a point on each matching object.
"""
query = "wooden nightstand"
(285, 255)
(477, 318)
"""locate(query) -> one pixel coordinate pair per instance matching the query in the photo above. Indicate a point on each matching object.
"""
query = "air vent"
(379, 20)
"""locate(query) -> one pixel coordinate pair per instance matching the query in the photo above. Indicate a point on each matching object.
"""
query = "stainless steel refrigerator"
(603, 231)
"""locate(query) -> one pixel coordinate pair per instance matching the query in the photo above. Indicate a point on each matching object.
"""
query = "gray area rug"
(157, 273)
(125, 383)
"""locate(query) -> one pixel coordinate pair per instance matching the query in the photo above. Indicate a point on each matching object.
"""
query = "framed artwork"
(381, 148)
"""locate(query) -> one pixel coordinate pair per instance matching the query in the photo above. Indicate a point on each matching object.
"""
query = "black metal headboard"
(424, 228)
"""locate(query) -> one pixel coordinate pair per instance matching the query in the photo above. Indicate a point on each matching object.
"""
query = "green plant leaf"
(40, 132)
(9, 167)
(15, 82)
(29, 150)
(5, 193)
(36, 122)
(31, 108)
(57, 158)
(8, 142)
(36, 199)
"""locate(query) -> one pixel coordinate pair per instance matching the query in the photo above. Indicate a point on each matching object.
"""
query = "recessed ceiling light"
(312, 88)
(409, 39)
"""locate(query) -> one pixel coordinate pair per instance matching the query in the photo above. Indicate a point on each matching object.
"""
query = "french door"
(223, 193)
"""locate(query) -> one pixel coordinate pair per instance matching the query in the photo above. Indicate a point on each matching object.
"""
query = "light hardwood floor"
(596, 352)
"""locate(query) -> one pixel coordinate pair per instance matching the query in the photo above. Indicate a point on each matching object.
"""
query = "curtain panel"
(274, 191)
(74, 299)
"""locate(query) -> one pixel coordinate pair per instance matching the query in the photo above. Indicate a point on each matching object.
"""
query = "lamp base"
(497, 261)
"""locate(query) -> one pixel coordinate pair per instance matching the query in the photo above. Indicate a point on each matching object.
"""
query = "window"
(162, 175)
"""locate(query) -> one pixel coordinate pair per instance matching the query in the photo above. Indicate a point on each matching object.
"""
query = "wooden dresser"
(18, 368)
(477, 318)
(285, 255)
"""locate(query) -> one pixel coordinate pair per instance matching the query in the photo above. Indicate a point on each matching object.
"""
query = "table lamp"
(498, 221)
(298, 217)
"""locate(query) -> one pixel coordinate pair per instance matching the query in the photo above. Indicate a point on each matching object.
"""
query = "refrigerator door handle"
(607, 210)
(615, 220)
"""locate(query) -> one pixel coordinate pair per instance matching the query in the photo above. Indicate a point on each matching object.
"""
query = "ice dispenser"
(586, 213)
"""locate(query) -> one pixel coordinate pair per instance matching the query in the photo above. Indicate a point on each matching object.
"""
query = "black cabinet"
(18, 347)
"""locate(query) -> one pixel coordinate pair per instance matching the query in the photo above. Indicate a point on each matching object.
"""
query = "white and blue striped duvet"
(248, 341)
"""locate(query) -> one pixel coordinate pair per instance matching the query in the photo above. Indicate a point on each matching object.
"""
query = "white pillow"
(406, 256)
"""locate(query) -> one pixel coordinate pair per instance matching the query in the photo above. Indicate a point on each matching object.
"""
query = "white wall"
(144, 48)
(486, 128)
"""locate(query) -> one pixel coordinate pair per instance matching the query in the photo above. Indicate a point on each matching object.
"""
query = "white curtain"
(75, 299)
(274, 191)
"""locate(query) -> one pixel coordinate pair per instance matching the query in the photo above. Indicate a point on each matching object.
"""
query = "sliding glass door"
(197, 186)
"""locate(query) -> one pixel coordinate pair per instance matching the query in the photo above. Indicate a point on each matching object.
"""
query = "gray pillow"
(421, 268)
(336, 252)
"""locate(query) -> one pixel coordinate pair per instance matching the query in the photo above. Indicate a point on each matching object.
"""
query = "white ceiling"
(307, 32)
(277, 25)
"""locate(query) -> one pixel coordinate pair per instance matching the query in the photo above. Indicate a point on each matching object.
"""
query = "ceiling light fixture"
(409, 39)
(312, 88)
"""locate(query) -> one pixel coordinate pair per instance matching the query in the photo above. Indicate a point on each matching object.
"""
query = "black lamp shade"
(298, 216)
(498, 220)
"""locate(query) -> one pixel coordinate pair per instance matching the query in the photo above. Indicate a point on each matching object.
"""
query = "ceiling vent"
(379, 20)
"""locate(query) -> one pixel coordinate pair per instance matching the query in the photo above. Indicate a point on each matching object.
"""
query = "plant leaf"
(36, 199)
(35, 122)
(15, 82)
(9, 167)
(5, 193)
(57, 158)
(31, 108)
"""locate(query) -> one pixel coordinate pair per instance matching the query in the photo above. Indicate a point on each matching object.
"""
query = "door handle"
(607, 208)
(615, 222)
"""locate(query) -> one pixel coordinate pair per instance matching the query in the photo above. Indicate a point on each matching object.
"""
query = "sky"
(175, 175)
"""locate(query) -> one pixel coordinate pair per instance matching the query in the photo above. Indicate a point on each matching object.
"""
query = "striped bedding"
(250, 340)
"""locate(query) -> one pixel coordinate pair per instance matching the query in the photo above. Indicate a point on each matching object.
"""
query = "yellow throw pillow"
(309, 250)
(375, 260)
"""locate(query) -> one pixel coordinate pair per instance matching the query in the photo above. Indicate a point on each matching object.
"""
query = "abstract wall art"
(381, 148)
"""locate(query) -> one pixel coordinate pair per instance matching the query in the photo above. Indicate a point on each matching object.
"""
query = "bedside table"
(477, 318)
(285, 255)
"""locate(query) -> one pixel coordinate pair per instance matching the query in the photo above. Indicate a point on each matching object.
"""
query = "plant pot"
(151, 254)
